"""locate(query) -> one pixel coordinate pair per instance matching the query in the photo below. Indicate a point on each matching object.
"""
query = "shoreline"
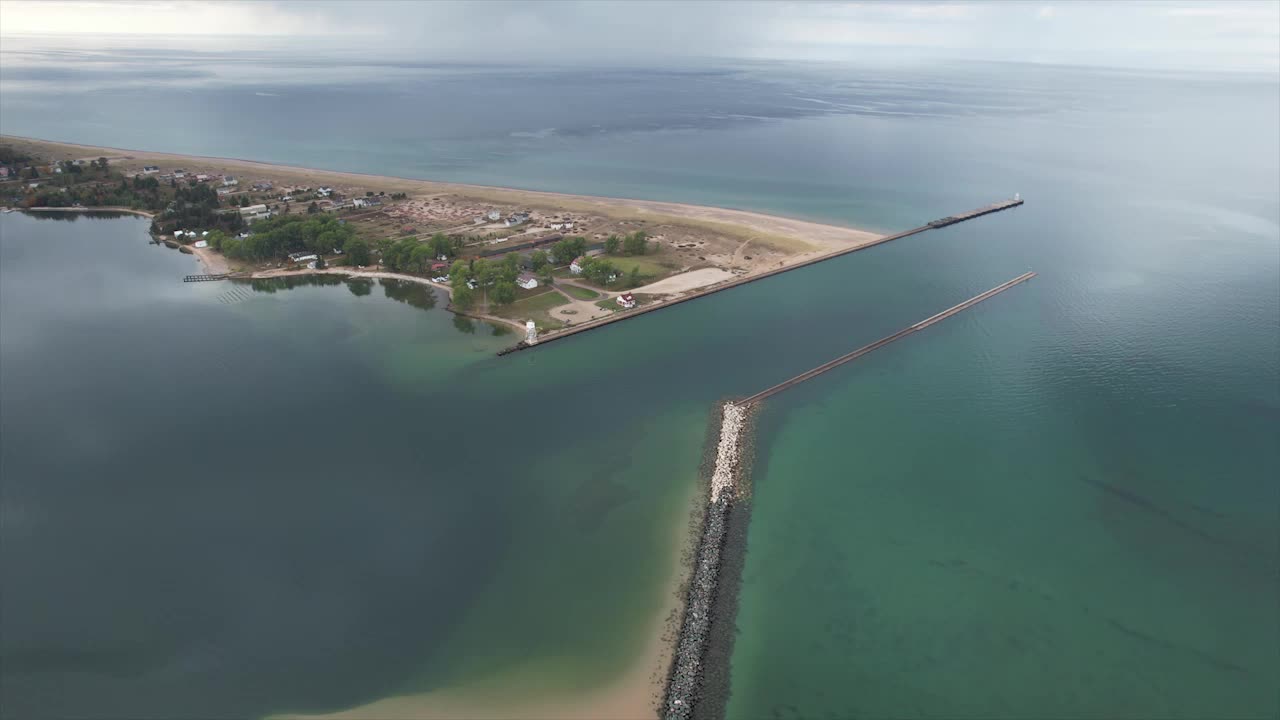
(768, 224)
(376, 274)
(634, 694)
(95, 208)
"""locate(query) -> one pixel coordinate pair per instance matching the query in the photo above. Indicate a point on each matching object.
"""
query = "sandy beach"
(786, 233)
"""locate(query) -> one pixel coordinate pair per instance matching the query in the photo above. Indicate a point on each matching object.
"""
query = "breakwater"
(728, 284)
(686, 680)
(698, 684)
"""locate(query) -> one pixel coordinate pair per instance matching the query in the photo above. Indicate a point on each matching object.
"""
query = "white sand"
(686, 281)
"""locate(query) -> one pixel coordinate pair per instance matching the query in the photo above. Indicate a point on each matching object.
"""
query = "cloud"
(1161, 33)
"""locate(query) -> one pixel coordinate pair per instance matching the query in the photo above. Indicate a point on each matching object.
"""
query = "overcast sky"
(1239, 34)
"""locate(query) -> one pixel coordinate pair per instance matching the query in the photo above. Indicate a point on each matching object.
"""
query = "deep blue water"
(1062, 503)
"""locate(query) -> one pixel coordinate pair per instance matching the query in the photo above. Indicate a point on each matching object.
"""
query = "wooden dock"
(206, 278)
(625, 315)
(764, 394)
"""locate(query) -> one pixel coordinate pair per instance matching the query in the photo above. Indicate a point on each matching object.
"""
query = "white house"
(57, 169)
(562, 225)
(150, 170)
(527, 281)
(253, 210)
(516, 219)
(229, 180)
(494, 215)
(301, 257)
(202, 243)
(324, 191)
(179, 174)
(575, 267)
(202, 178)
(627, 300)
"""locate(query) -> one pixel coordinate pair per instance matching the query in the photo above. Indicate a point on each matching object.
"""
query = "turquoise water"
(1061, 503)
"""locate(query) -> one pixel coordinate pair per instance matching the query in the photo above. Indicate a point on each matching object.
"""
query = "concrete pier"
(617, 317)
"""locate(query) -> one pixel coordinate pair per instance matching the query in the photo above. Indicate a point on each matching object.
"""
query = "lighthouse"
(530, 332)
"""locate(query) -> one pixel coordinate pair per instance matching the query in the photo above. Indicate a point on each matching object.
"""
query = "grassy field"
(652, 267)
(580, 293)
(534, 308)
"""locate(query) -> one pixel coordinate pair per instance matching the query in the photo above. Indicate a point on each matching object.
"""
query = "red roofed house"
(627, 300)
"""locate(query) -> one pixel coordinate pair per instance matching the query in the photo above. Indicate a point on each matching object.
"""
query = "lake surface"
(1060, 503)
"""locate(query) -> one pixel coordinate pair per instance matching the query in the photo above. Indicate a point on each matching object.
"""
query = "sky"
(1223, 35)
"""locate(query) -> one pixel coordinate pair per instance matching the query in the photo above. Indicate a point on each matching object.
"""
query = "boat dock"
(205, 278)
(617, 316)
(764, 394)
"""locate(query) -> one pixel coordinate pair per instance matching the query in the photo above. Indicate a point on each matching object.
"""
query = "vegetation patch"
(580, 293)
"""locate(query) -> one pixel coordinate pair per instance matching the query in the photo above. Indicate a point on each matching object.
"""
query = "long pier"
(205, 278)
(601, 322)
(764, 394)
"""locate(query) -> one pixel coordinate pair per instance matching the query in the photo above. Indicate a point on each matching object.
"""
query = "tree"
(599, 271)
(634, 279)
(313, 208)
(357, 250)
(420, 258)
(32, 172)
(509, 269)
(320, 265)
(635, 243)
(102, 164)
(441, 246)
(504, 292)
(484, 272)
(459, 274)
(612, 244)
(567, 249)
(463, 296)
(539, 259)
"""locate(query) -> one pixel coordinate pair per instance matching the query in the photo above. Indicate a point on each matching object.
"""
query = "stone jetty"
(685, 681)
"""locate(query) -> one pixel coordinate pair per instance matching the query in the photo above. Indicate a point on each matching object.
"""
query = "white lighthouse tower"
(530, 332)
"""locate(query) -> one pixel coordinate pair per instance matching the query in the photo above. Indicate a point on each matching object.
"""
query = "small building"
(301, 257)
(225, 190)
(4, 172)
(366, 202)
(527, 281)
(150, 170)
(576, 266)
(202, 178)
(202, 243)
(324, 192)
(177, 174)
(253, 210)
(57, 169)
(627, 300)
(33, 185)
(516, 219)
(437, 267)
(229, 180)
(562, 225)
(494, 215)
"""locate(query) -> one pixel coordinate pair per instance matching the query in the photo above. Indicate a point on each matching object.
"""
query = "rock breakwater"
(687, 668)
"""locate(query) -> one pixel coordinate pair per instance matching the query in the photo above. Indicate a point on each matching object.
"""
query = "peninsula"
(504, 255)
